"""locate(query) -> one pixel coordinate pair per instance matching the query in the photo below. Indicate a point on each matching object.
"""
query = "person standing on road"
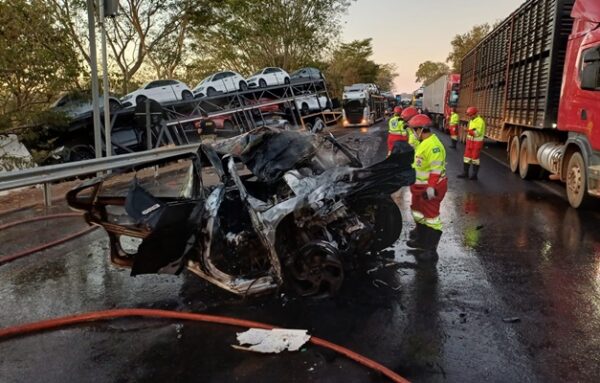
(453, 127)
(396, 130)
(428, 191)
(475, 135)
(407, 115)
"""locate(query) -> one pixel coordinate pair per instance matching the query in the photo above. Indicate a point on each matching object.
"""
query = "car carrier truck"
(362, 106)
(536, 80)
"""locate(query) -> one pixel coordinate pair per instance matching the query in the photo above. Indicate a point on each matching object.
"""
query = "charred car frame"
(290, 210)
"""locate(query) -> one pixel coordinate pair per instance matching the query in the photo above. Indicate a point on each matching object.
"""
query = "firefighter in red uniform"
(475, 136)
(428, 191)
(396, 130)
(453, 123)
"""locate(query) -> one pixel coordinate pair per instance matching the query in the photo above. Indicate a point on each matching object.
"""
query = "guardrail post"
(47, 191)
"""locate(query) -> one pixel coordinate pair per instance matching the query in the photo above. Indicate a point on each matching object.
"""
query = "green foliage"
(429, 71)
(37, 61)
(351, 63)
(463, 43)
(385, 77)
(246, 35)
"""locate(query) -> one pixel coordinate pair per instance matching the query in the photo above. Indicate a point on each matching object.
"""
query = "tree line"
(44, 46)
(461, 44)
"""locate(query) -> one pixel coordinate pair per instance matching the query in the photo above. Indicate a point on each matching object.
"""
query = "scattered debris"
(511, 320)
(272, 341)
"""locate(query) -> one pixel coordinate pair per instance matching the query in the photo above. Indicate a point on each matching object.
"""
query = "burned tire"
(315, 270)
(386, 219)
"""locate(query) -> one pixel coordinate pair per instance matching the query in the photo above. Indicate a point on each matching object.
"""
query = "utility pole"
(94, 72)
(105, 85)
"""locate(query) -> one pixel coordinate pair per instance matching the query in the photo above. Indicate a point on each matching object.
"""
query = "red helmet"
(409, 113)
(420, 121)
(398, 110)
(472, 111)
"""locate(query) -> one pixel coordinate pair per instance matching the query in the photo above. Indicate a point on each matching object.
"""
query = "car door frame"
(176, 89)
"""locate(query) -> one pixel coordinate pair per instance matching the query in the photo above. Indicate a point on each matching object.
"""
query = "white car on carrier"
(220, 82)
(269, 76)
(159, 90)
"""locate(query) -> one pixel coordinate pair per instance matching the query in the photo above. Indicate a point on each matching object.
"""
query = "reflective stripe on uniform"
(468, 160)
(418, 216)
(434, 223)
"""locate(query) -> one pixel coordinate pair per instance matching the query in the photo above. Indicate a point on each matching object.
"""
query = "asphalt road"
(516, 297)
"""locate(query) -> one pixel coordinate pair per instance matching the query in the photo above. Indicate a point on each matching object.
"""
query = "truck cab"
(579, 109)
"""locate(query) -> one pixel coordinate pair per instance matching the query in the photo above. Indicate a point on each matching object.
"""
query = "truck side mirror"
(590, 76)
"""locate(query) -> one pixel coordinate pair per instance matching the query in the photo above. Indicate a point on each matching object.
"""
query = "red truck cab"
(579, 108)
(580, 102)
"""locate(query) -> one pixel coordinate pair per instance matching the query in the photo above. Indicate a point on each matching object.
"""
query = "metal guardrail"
(44, 175)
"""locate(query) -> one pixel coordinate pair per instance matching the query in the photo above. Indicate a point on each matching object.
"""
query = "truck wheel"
(513, 154)
(525, 169)
(576, 181)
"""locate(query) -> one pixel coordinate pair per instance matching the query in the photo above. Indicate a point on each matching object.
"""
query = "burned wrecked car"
(285, 210)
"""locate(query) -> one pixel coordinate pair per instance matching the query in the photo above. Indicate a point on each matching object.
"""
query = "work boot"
(465, 173)
(416, 237)
(429, 255)
(453, 144)
(475, 171)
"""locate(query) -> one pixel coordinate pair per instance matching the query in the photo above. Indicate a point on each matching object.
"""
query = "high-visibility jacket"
(396, 126)
(430, 161)
(412, 138)
(476, 130)
(454, 119)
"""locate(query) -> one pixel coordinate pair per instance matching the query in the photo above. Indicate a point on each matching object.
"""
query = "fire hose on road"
(67, 321)
(33, 250)
(58, 323)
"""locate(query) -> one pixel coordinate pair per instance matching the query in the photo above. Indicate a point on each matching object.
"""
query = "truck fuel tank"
(550, 156)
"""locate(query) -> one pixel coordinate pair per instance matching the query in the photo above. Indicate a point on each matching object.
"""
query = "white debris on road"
(272, 341)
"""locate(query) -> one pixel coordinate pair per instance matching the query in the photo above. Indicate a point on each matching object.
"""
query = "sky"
(409, 32)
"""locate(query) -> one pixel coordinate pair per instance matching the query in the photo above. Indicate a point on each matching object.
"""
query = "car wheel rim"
(316, 270)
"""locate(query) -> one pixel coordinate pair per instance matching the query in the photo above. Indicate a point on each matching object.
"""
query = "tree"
(385, 76)
(350, 63)
(145, 34)
(429, 71)
(463, 43)
(248, 35)
(37, 60)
